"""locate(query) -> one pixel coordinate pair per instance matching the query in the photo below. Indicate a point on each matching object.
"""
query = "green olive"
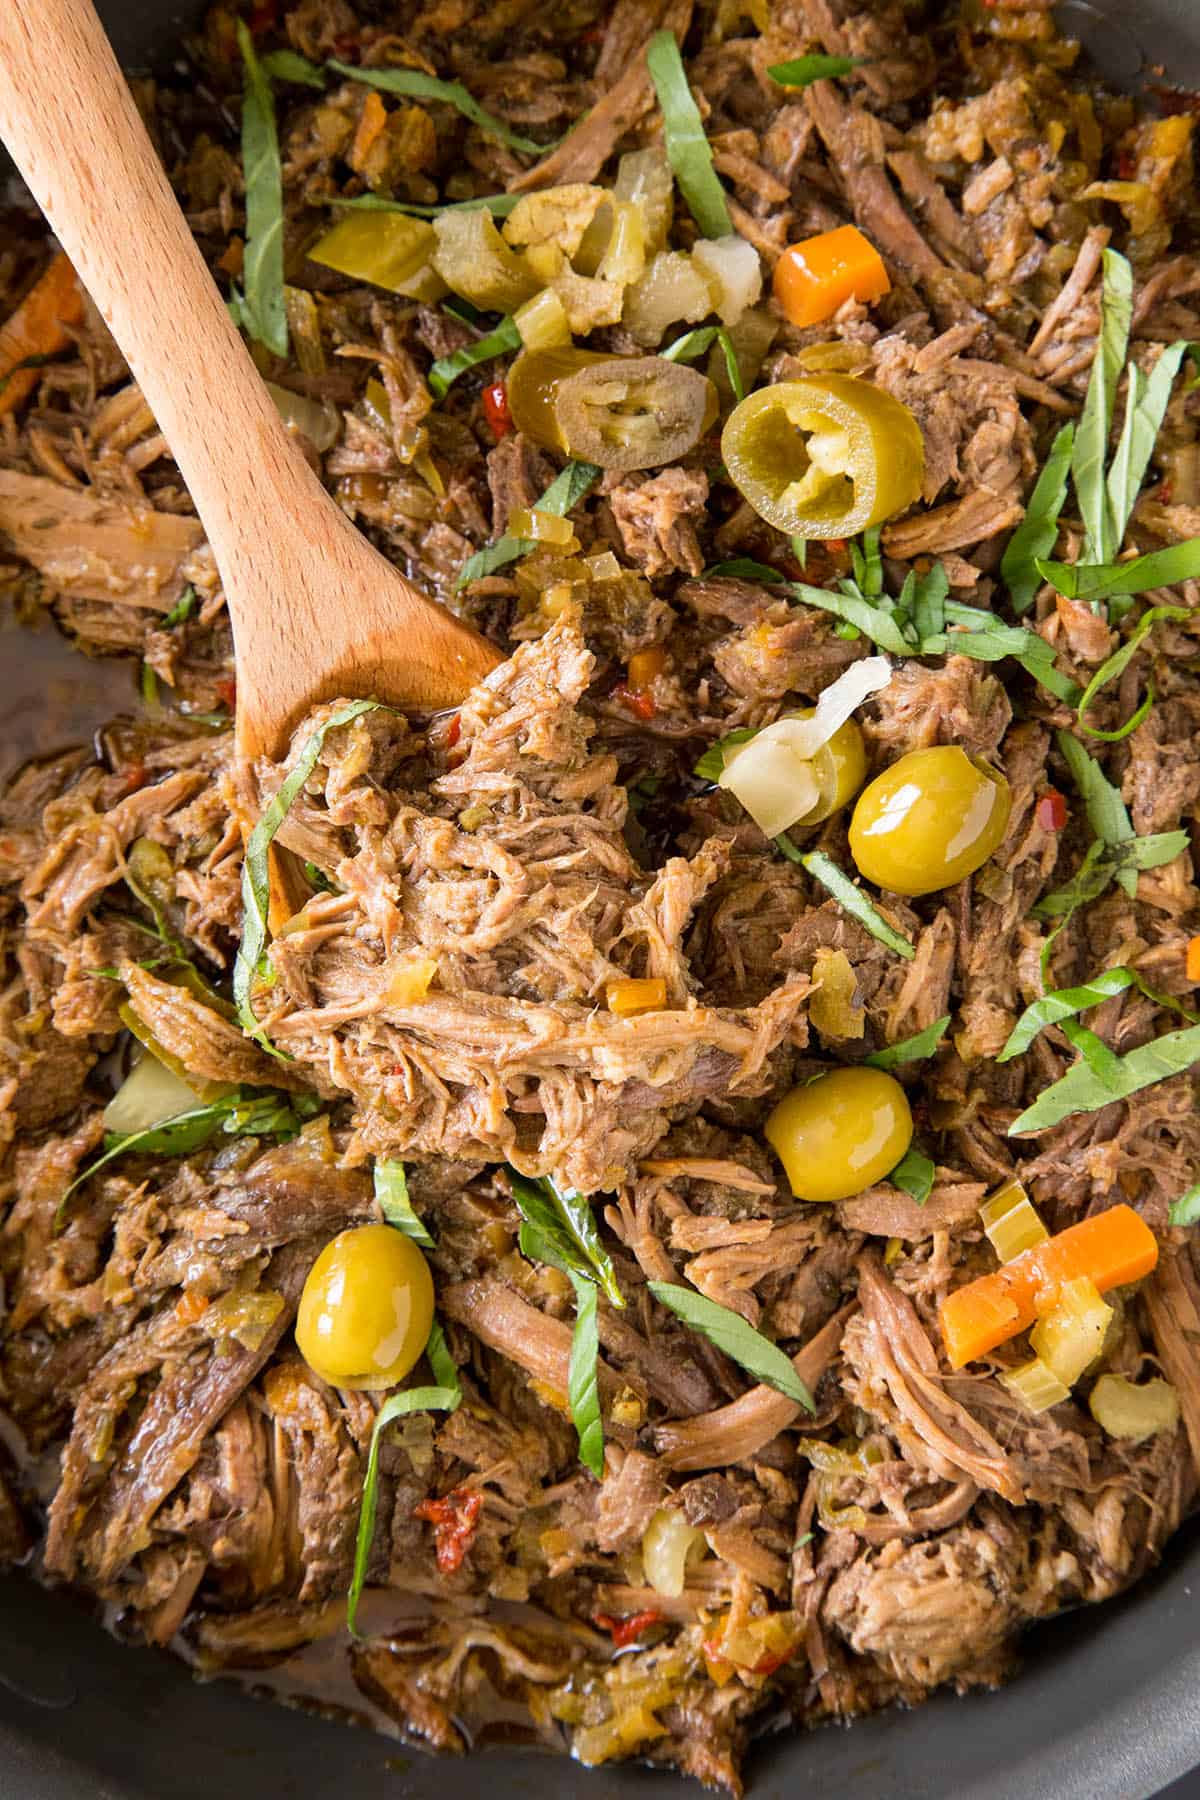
(930, 820)
(366, 1309)
(841, 1133)
(839, 766)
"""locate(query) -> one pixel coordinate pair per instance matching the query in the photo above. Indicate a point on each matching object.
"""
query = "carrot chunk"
(628, 997)
(1192, 968)
(817, 276)
(37, 329)
(1111, 1249)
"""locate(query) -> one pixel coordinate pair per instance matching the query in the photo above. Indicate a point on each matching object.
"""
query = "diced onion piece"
(625, 257)
(831, 1008)
(672, 290)
(628, 997)
(773, 775)
(318, 420)
(149, 1094)
(558, 215)
(542, 322)
(1071, 1336)
(543, 528)
(473, 259)
(667, 1543)
(1133, 1410)
(733, 271)
(1011, 1221)
(644, 176)
(1036, 1386)
(409, 983)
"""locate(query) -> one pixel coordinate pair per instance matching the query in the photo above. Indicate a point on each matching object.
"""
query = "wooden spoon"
(316, 611)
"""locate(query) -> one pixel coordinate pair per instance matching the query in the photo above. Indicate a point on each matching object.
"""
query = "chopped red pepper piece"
(1051, 811)
(264, 18)
(455, 1520)
(640, 703)
(453, 731)
(1193, 959)
(626, 1631)
(495, 410)
(226, 691)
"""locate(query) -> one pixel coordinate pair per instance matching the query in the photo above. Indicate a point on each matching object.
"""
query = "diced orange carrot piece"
(627, 997)
(817, 276)
(1112, 1248)
(38, 328)
(371, 121)
(1192, 969)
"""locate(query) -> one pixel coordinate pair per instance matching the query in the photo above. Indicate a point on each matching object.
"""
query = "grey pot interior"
(1107, 1706)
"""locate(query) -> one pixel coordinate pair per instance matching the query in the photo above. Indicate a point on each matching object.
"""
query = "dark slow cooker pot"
(1107, 1706)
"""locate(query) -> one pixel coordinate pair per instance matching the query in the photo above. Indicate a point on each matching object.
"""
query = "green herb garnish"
(851, 898)
(1067, 1003)
(744, 568)
(289, 65)
(1100, 581)
(804, 70)
(183, 608)
(443, 1398)
(911, 1049)
(691, 345)
(740, 1341)
(1186, 1210)
(1080, 1090)
(733, 368)
(252, 967)
(446, 371)
(566, 1231)
(565, 491)
(415, 85)
(1115, 666)
(1107, 813)
(688, 150)
(391, 1191)
(1095, 423)
(261, 303)
(498, 204)
(914, 1174)
(583, 1376)
(1037, 534)
(711, 766)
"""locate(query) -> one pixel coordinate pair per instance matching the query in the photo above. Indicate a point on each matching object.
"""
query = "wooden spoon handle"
(74, 132)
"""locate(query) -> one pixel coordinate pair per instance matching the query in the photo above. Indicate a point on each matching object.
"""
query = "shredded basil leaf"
(911, 1049)
(688, 150)
(1186, 1210)
(744, 568)
(1037, 534)
(252, 966)
(565, 491)
(1091, 438)
(583, 1380)
(1079, 1090)
(262, 303)
(732, 366)
(1106, 811)
(391, 1191)
(1103, 1062)
(1099, 581)
(914, 1174)
(498, 204)
(183, 608)
(730, 1333)
(566, 1228)
(804, 70)
(876, 622)
(289, 65)
(443, 1398)
(1064, 1003)
(823, 869)
(446, 371)
(1116, 665)
(416, 85)
(691, 345)
(1146, 400)
(711, 766)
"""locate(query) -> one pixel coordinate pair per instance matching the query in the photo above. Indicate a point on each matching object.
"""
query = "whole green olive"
(366, 1309)
(841, 1133)
(932, 818)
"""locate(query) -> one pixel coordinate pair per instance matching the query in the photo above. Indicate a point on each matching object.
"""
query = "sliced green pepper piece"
(825, 457)
(532, 384)
(634, 412)
(388, 250)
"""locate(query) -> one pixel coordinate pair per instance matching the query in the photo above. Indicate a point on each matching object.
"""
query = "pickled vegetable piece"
(473, 259)
(366, 1309)
(533, 384)
(1036, 1386)
(1070, 1338)
(1111, 1248)
(824, 457)
(1133, 1410)
(931, 819)
(634, 412)
(841, 1133)
(1011, 1221)
(669, 1543)
(543, 323)
(645, 178)
(733, 271)
(150, 1093)
(389, 250)
(557, 215)
(673, 289)
(813, 279)
(626, 998)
